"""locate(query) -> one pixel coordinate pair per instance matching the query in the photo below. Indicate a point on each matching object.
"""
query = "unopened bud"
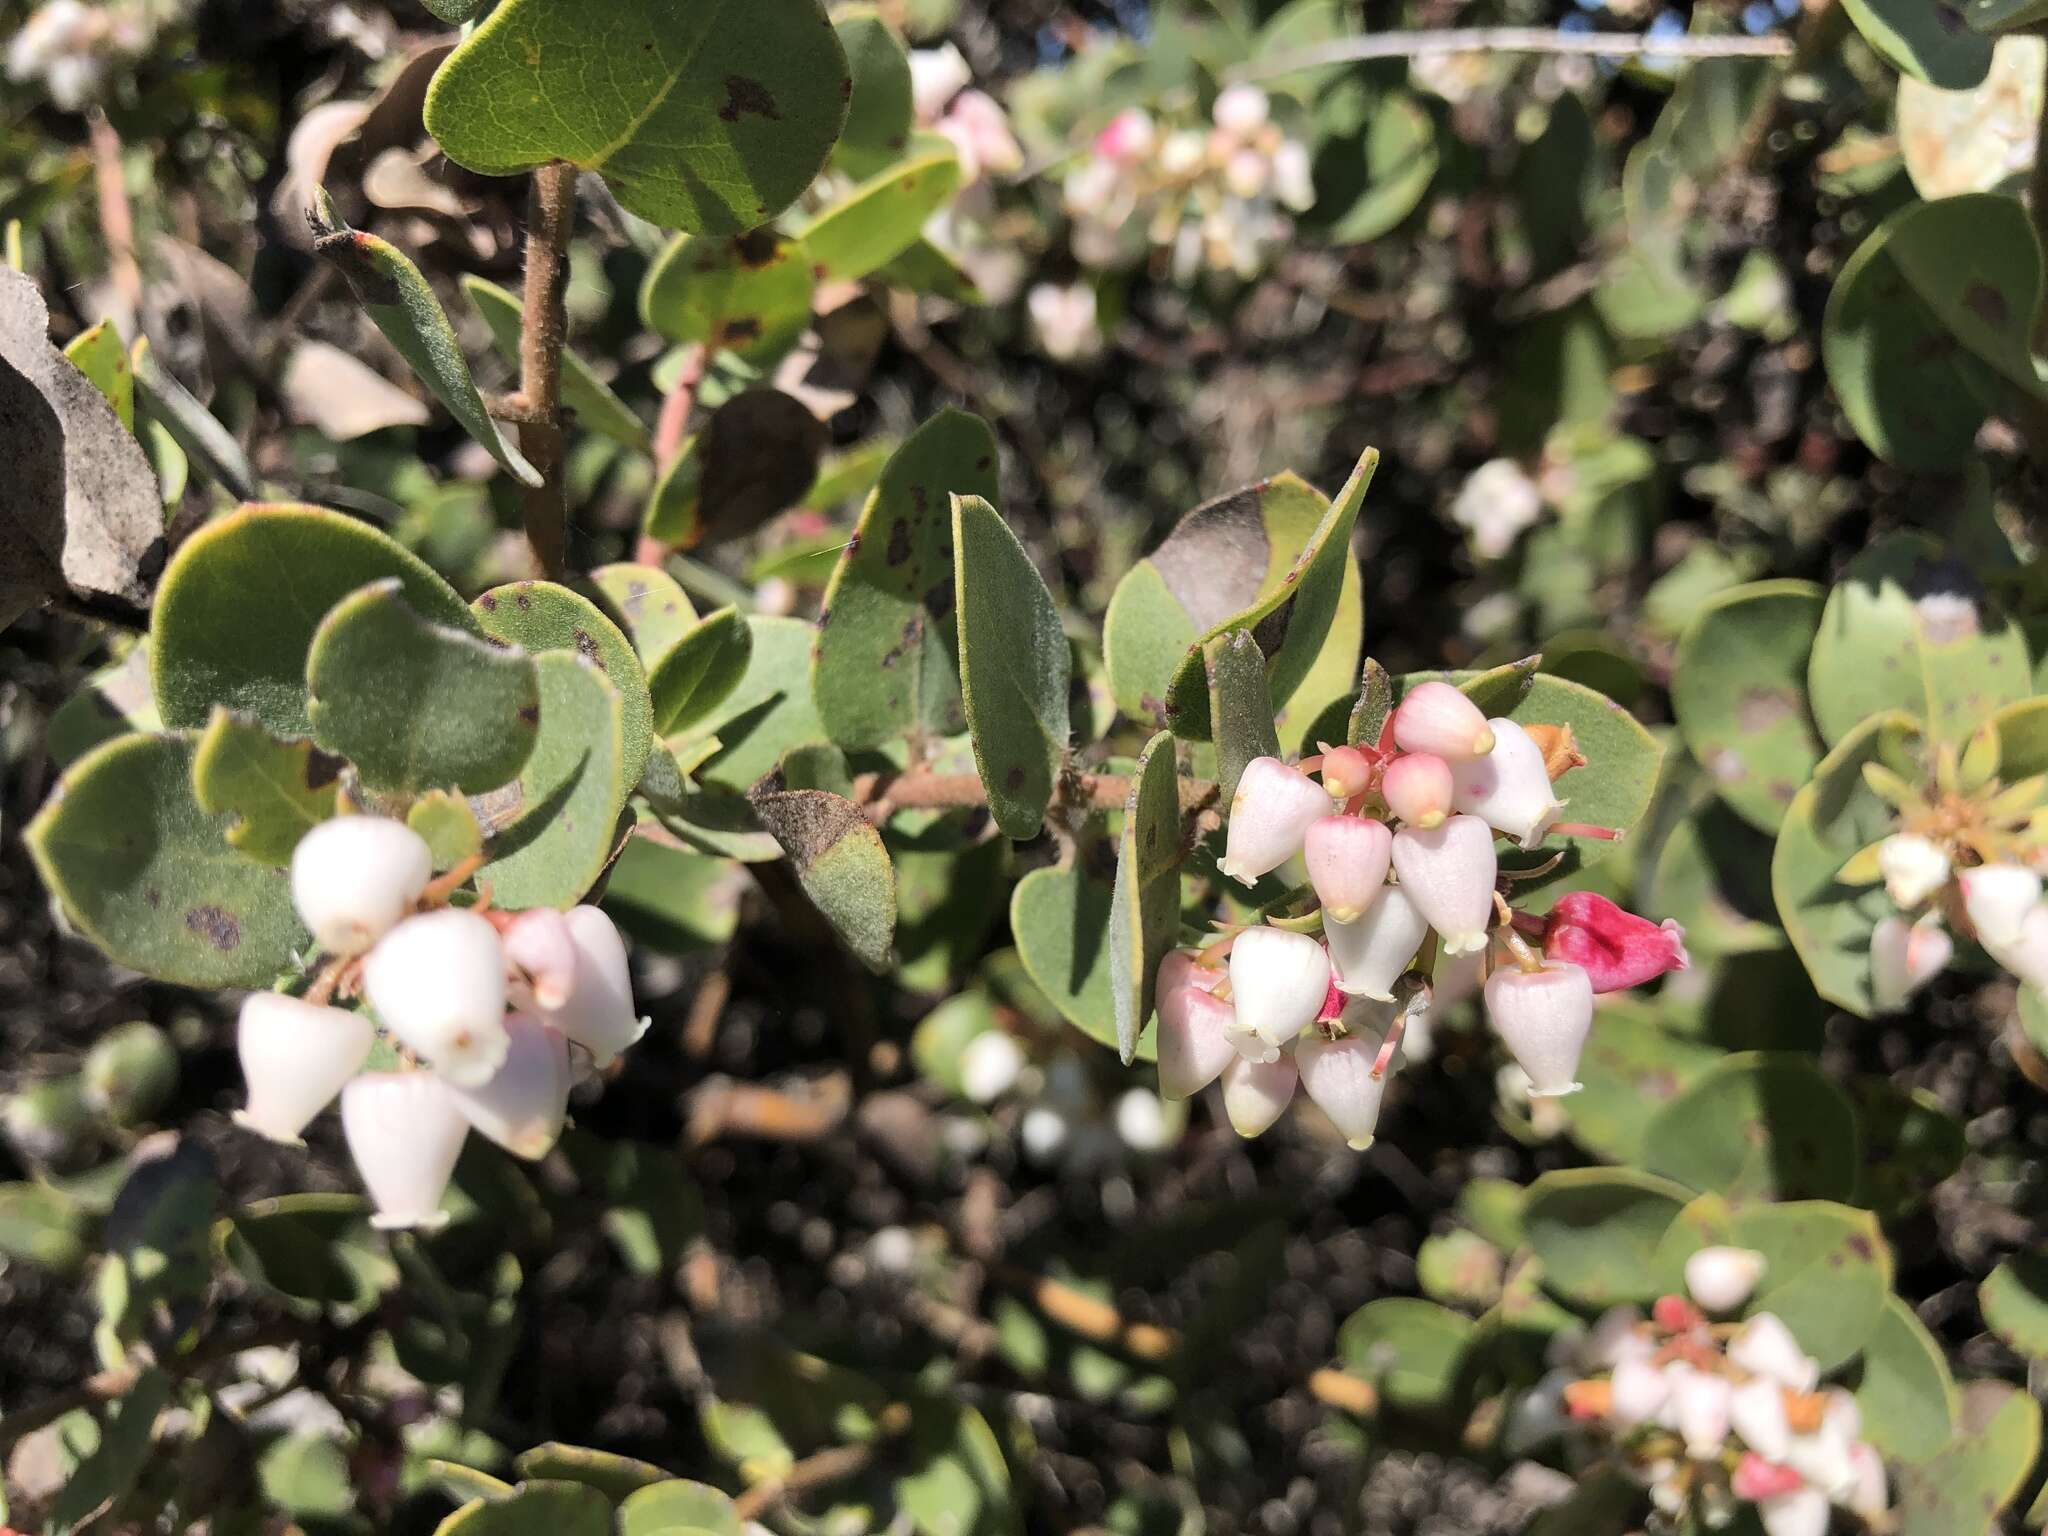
(1419, 787)
(1508, 788)
(1347, 863)
(1757, 1413)
(1675, 1314)
(1270, 815)
(1543, 1018)
(1346, 772)
(1241, 110)
(1244, 173)
(1128, 138)
(405, 1133)
(1904, 957)
(437, 982)
(354, 877)
(130, 1073)
(599, 1014)
(1998, 898)
(1867, 1497)
(1436, 717)
(1721, 1279)
(296, 1056)
(1914, 868)
(1370, 954)
(542, 952)
(1294, 181)
(2026, 955)
(1617, 949)
(1802, 1512)
(1277, 984)
(1195, 1041)
(1639, 1393)
(1256, 1093)
(523, 1106)
(1448, 872)
(1757, 1479)
(1337, 1075)
(1764, 1346)
(1699, 1408)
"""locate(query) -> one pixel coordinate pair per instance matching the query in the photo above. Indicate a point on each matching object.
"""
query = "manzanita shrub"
(600, 589)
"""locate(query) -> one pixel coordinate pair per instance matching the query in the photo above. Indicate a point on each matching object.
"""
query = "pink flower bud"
(296, 1056)
(1757, 1413)
(1270, 815)
(1347, 863)
(1904, 957)
(599, 1014)
(1418, 787)
(1616, 949)
(1756, 1479)
(1699, 1409)
(1241, 110)
(1196, 1041)
(1448, 872)
(405, 1133)
(1179, 969)
(1543, 1018)
(1436, 717)
(1256, 1093)
(523, 1106)
(1674, 1314)
(1338, 1076)
(1346, 772)
(1370, 954)
(437, 982)
(1764, 1346)
(1998, 898)
(1638, 1393)
(1508, 788)
(1128, 137)
(2026, 956)
(1277, 984)
(355, 876)
(542, 951)
(1722, 1278)
(1802, 1512)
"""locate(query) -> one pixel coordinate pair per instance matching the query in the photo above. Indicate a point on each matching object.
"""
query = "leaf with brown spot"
(839, 861)
(545, 617)
(754, 458)
(275, 790)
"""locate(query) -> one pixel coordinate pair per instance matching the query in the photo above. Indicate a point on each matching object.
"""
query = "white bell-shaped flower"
(1998, 898)
(1419, 788)
(1255, 1094)
(1699, 1408)
(404, 1132)
(1867, 1498)
(1448, 872)
(437, 982)
(1196, 1040)
(1764, 1346)
(1904, 957)
(1241, 110)
(1347, 863)
(1270, 815)
(1914, 867)
(1278, 983)
(1337, 1075)
(523, 1106)
(1370, 954)
(1508, 788)
(296, 1056)
(1826, 1458)
(1757, 1413)
(354, 877)
(1802, 1512)
(599, 1014)
(1616, 1335)
(1721, 1278)
(1543, 1018)
(2026, 955)
(541, 949)
(1637, 1393)
(1436, 717)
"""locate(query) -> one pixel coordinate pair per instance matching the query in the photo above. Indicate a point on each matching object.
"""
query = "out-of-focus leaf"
(881, 218)
(754, 458)
(1907, 1397)
(878, 118)
(671, 900)
(1962, 1490)
(596, 406)
(1760, 1125)
(113, 701)
(750, 293)
(537, 1508)
(1597, 1232)
(1926, 41)
(1413, 1350)
(2014, 1298)
(98, 353)
(123, 1452)
(616, 1477)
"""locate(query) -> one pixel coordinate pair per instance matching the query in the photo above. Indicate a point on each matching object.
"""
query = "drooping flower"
(1418, 788)
(1241, 110)
(437, 982)
(296, 1056)
(1278, 981)
(1904, 957)
(354, 877)
(1255, 1094)
(1756, 1479)
(1998, 898)
(1128, 138)
(405, 1133)
(1764, 1346)
(1700, 1405)
(1616, 949)
(2026, 955)
(1757, 1413)
(1337, 1075)
(541, 949)
(1436, 717)
(1638, 1393)
(1508, 788)
(599, 1014)
(1370, 954)
(1195, 1041)
(1270, 815)
(1543, 1018)
(1448, 872)
(1347, 858)
(523, 1106)
(1721, 1278)
(1914, 868)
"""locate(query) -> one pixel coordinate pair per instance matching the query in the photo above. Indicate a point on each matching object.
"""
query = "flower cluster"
(1213, 197)
(1326, 1014)
(74, 47)
(487, 1005)
(1712, 1415)
(973, 121)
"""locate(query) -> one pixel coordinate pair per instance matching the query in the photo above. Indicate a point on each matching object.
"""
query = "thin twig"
(550, 215)
(117, 217)
(832, 1465)
(1546, 40)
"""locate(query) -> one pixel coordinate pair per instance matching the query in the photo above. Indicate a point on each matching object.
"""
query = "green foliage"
(673, 1505)
(880, 219)
(1240, 707)
(1960, 1491)
(1623, 763)
(1632, 1068)
(878, 116)
(1597, 1231)
(596, 406)
(750, 293)
(1759, 1125)
(2014, 1299)
(647, 604)
(97, 353)
(755, 96)
(1014, 667)
(538, 616)
(1906, 1395)
(699, 671)
(534, 1507)
(839, 861)
(276, 791)
(1927, 43)
(1144, 911)
(1416, 1352)
(616, 1477)
(753, 458)
(1060, 919)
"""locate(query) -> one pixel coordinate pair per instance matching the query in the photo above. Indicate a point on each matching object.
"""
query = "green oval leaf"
(1738, 689)
(1414, 1351)
(881, 218)
(754, 458)
(2014, 1298)
(1015, 667)
(1760, 1125)
(149, 877)
(1597, 1230)
(648, 604)
(1907, 1396)
(242, 598)
(539, 616)
(701, 670)
(710, 118)
(534, 1509)
(878, 118)
(275, 791)
(1961, 1491)
(839, 861)
(613, 1475)
(750, 293)
(1615, 787)
(114, 701)
(97, 353)
(1631, 1068)
(768, 711)
(1059, 917)
(417, 705)
(592, 400)
(1927, 39)
(675, 1506)
(1144, 912)
(887, 663)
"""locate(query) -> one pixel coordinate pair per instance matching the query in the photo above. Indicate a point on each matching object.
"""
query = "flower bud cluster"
(1999, 902)
(1215, 196)
(74, 47)
(487, 1004)
(1270, 1009)
(1709, 1416)
(974, 122)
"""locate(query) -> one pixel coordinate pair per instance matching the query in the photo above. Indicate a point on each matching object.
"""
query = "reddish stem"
(1584, 829)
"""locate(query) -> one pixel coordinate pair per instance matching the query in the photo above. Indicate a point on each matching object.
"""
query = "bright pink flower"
(1616, 948)
(1756, 1478)
(1418, 787)
(1675, 1314)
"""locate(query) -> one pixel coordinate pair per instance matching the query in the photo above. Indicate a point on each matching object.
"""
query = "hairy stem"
(550, 215)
